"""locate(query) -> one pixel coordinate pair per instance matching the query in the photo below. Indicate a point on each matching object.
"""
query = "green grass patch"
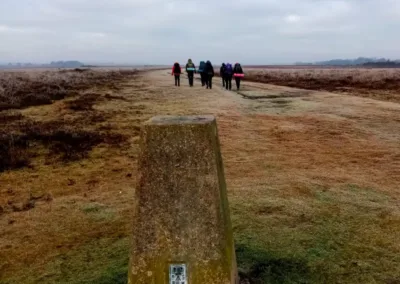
(101, 261)
(98, 212)
(93, 208)
(345, 234)
(117, 274)
(256, 265)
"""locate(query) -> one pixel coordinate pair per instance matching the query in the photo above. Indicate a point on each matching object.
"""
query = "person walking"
(202, 65)
(238, 74)
(209, 74)
(228, 76)
(176, 71)
(190, 69)
(222, 74)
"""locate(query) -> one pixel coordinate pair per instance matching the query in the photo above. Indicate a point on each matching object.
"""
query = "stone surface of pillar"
(182, 231)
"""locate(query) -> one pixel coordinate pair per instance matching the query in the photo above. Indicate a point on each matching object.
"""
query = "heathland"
(312, 163)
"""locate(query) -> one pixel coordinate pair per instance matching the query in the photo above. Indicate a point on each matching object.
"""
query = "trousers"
(209, 81)
(237, 79)
(203, 79)
(177, 80)
(228, 82)
(190, 77)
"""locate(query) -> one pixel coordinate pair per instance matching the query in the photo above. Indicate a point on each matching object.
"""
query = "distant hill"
(350, 62)
(53, 64)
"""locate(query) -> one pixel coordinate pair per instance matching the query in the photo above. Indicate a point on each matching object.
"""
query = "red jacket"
(176, 73)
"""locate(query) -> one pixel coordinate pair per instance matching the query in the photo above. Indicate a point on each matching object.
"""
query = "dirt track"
(313, 180)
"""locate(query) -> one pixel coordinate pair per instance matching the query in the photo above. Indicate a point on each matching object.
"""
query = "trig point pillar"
(182, 230)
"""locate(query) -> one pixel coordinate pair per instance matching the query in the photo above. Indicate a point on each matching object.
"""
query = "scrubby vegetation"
(24, 89)
(382, 84)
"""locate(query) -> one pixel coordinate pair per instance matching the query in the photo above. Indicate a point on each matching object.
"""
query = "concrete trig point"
(182, 230)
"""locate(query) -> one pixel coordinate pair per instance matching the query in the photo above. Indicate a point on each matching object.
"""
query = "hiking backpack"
(190, 67)
(177, 68)
(202, 65)
(238, 68)
(228, 69)
(222, 69)
(209, 68)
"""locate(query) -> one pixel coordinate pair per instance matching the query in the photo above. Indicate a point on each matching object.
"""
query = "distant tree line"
(387, 64)
(53, 64)
(66, 64)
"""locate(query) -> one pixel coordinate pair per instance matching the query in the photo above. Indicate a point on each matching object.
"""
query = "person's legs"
(203, 80)
(237, 79)
(223, 82)
(191, 79)
(226, 82)
(210, 82)
(230, 83)
(176, 80)
(179, 81)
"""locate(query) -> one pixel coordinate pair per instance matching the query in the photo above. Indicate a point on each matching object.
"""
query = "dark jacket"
(209, 69)
(222, 70)
(237, 69)
(202, 66)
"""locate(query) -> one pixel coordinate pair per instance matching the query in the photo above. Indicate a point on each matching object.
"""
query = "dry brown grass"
(382, 84)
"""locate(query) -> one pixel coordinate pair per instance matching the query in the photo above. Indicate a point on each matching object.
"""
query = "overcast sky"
(165, 31)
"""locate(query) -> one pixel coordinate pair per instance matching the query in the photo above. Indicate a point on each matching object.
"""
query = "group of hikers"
(206, 71)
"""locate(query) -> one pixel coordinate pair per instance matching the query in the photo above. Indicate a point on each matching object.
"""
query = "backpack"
(209, 68)
(202, 66)
(228, 69)
(238, 68)
(177, 68)
(222, 69)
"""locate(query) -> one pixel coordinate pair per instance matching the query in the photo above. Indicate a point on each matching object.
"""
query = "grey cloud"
(163, 31)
